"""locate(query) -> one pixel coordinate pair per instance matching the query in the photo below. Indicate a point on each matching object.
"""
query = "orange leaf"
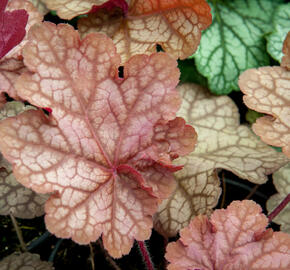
(175, 25)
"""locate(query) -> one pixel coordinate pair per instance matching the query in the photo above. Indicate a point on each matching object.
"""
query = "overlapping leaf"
(106, 148)
(33, 17)
(281, 180)
(267, 90)
(12, 28)
(286, 51)
(234, 42)
(15, 199)
(233, 239)
(67, 9)
(10, 69)
(222, 143)
(39, 4)
(10, 66)
(281, 23)
(175, 25)
(27, 261)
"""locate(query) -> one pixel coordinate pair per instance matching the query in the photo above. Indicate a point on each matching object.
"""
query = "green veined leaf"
(281, 22)
(234, 42)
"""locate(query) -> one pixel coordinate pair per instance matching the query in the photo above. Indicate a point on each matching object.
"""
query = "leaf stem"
(92, 256)
(146, 256)
(253, 191)
(224, 191)
(54, 251)
(279, 208)
(38, 241)
(19, 233)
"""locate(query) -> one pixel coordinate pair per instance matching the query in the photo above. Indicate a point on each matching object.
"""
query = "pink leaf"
(233, 239)
(12, 28)
(101, 150)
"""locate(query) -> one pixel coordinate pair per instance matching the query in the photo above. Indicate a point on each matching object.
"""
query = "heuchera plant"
(110, 146)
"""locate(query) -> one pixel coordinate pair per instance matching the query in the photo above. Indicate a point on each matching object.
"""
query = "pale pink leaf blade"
(97, 149)
(234, 238)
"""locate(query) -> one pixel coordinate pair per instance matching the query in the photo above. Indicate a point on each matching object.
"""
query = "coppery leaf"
(106, 149)
(233, 239)
(222, 144)
(175, 25)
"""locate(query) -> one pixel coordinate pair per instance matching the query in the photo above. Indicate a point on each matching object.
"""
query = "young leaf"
(281, 22)
(12, 28)
(175, 25)
(15, 198)
(24, 261)
(267, 90)
(105, 150)
(233, 239)
(67, 9)
(234, 42)
(222, 143)
(281, 180)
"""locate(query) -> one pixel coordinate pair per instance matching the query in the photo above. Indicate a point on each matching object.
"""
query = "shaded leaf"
(281, 23)
(267, 90)
(233, 239)
(25, 261)
(106, 148)
(281, 180)
(15, 199)
(12, 28)
(222, 143)
(175, 25)
(67, 9)
(234, 42)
